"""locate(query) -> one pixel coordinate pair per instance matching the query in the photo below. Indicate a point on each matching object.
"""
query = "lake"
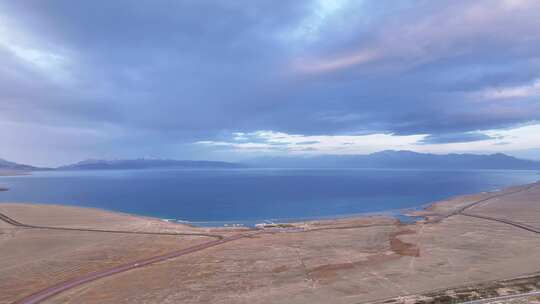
(249, 196)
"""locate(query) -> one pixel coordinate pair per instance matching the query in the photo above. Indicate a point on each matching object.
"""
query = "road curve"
(49, 292)
(504, 221)
(462, 211)
(14, 222)
(521, 189)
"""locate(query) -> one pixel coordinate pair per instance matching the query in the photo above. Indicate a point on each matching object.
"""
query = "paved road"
(504, 221)
(506, 193)
(14, 222)
(461, 211)
(51, 291)
(61, 287)
(530, 228)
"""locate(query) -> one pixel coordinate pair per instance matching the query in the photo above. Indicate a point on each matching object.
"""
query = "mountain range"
(7, 165)
(400, 160)
(147, 163)
(384, 159)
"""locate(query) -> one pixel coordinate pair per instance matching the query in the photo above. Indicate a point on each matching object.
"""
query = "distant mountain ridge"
(384, 160)
(7, 165)
(390, 159)
(146, 163)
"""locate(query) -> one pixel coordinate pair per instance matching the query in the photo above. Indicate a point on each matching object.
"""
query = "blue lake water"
(248, 196)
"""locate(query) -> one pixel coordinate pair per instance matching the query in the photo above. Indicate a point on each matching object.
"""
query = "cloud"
(522, 138)
(309, 142)
(515, 141)
(168, 74)
(279, 142)
(339, 62)
(455, 138)
(520, 91)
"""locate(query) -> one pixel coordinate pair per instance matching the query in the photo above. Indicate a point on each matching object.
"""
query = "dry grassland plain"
(463, 241)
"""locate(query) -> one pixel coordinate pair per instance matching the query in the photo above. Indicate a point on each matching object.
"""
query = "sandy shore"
(351, 260)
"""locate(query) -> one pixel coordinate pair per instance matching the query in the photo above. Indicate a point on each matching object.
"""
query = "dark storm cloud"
(174, 72)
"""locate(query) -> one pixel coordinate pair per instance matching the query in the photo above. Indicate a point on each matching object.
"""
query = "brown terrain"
(470, 247)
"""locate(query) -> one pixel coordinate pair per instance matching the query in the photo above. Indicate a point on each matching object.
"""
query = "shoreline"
(394, 214)
(405, 216)
(474, 238)
(409, 215)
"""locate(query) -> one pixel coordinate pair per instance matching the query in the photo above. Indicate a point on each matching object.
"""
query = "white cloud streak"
(503, 140)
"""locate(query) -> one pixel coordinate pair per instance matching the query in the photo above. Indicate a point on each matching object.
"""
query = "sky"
(231, 80)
